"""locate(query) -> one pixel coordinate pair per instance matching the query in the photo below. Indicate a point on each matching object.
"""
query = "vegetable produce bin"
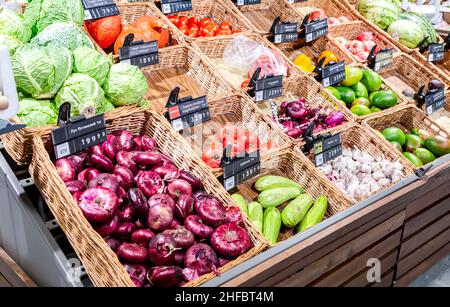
(357, 137)
(441, 68)
(253, 130)
(442, 116)
(407, 119)
(19, 144)
(214, 50)
(351, 31)
(296, 167)
(407, 75)
(101, 263)
(261, 16)
(217, 11)
(186, 68)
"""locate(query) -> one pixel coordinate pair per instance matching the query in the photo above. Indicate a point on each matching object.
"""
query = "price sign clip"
(330, 74)
(283, 32)
(433, 99)
(313, 29)
(310, 139)
(96, 9)
(265, 88)
(246, 2)
(186, 112)
(174, 6)
(381, 59)
(139, 53)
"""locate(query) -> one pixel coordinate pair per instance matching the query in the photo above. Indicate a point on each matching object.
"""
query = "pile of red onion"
(165, 229)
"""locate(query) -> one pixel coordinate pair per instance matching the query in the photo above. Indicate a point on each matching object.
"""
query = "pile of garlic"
(360, 175)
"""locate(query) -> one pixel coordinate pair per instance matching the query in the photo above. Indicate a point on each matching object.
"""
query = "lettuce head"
(64, 34)
(34, 112)
(10, 42)
(13, 24)
(92, 63)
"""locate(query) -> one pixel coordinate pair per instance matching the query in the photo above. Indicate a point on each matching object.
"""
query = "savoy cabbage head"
(64, 34)
(13, 24)
(34, 112)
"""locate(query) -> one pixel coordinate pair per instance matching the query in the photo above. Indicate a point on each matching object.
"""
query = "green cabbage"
(14, 25)
(9, 41)
(84, 94)
(39, 14)
(63, 34)
(34, 112)
(40, 71)
(92, 63)
(106, 106)
(126, 84)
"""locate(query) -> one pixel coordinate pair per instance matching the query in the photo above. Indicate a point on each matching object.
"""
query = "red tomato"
(236, 31)
(244, 85)
(193, 21)
(204, 21)
(225, 25)
(184, 29)
(223, 32)
(212, 154)
(175, 20)
(192, 33)
(193, 27)
(183, 21)
(251, 141)
(227, 134)
(209, 30)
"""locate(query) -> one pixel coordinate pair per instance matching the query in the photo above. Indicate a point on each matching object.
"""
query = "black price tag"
(435, 101)
(327, 149)
(383, 59)
(296, 1)
(141, 55)
(78, 136)
(315, 29)
(285, 32)
(189, 113)
(332, 74)
(436, 52)
(246, 2)
(95, 9)
(174, 6)
(241, 169)
(268, 88)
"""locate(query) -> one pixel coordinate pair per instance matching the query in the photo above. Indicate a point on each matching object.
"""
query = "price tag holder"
(77, 134)
(327, 149)
(246, 2)
(436, 52)
(381, 60)
(332, 74)
(187, 112)
(174, 6)
(268, 88)
(285, 32)
(239, 169)
(140, 54)
(95, 9)
(435, 101)
(314, 29)
(296, 1)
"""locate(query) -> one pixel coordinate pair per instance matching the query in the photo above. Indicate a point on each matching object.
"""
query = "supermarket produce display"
(175, 146)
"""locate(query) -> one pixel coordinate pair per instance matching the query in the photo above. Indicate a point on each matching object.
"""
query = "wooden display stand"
(11, 275)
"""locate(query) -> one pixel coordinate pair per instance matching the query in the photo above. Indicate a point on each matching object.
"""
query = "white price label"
(326, 82)
(62, 150)
(229, 183)
(87, 15)
(177, 125)
(319, 160)
(165, 8)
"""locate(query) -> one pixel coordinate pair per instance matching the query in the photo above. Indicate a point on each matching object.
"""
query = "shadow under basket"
(101, 263)
(405, 73)
(360, 137)
(185, 67)
(295, 166)
(407, 118)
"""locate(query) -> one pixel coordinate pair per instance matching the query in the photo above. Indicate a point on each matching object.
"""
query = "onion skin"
(230, 240)
(124, 231)
(175, 223)
(223, 262)
(126, 214)
(78, 160)
(125, 140)
(167, 171)
(183, 238)
(210, 210)
(142, 237)
(147, 158)
(107, 181)
(179, 258)
(109, 227)
(202, 259)
(179, 187)
(184, 207)
(167, 276)
(159, 217)
(150, 183)
(192, 179)
(112, 243)
(102, 162)
(131, 252)
(137, 143)
(96, 149)
(161, 199)
(137, 271)
(161, 250)
(77, 196)
(233, 214)
(125, 158)
(65, 169)
(148, 143)
(87, 175)
(98, 204)
(138, 202)
(75, 186)
(195, 224)
(109, 150)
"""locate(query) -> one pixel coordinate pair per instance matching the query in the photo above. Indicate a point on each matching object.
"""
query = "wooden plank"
(347, 270)
(13, 273)
(387, 263)
(426, 200)
(422, 253)
(280, 266)
(4, 282)
(423, 236)
(320, 267)
(424, 266)
(426, 217)
(386, 281)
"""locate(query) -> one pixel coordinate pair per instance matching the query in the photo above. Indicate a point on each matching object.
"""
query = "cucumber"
(272, 224)
(240, 201)
(255, 214)
(296, 210)
(315, 214)
(277, 196)
(268, 182)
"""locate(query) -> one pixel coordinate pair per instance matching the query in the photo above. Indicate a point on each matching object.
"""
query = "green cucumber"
(272, 224)
(296, 210)
(315, 215)
(240, 201)
(255, 214)
(268, 182)
(277, 196)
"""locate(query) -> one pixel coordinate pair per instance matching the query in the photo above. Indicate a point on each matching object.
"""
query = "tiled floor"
(437, 276)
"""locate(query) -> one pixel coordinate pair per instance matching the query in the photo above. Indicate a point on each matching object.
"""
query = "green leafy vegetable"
(92, 63)
(84, 94)
(40, 71)
(9, 41)
(34, 112)
(126, 84)
(63, 34)
(14, 25)
(106, 106)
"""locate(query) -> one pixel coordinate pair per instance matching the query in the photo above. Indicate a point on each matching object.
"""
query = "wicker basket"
(214, 48)
(440, 69)
(102, 265)
(404, 73)
(310, 89)
(218, 10)
(185, 67)
(409, 117)
(351, 31)
(238, 109)
(261, 16)
(360, 137)
(295, 166)
(19, 144)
